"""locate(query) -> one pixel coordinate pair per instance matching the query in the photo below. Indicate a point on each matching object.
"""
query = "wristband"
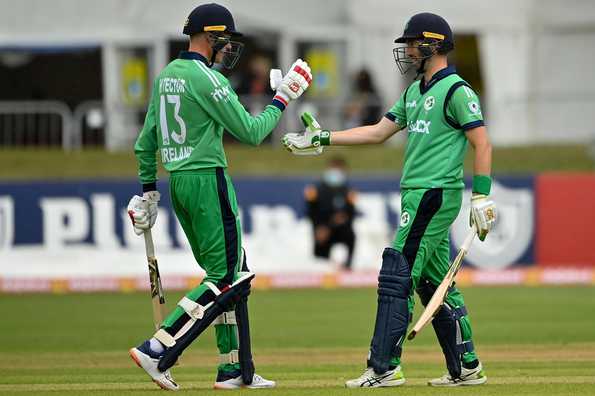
(325, 137)
(149, 187)
(482, 184)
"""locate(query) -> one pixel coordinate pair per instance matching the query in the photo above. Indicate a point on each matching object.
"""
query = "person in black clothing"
(365, 105)
(330, 207)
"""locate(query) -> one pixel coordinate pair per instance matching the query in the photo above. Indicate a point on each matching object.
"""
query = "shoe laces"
(446, 377)
(368, 372)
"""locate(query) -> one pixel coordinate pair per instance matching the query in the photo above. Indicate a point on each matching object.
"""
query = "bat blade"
(157, 295)
(442, 290)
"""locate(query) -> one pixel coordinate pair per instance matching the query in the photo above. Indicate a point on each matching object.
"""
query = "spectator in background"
(254, 86)
(364, 107)
(256, 80)
(330, 207)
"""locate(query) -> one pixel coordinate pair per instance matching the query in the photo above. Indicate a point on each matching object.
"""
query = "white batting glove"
(295, 82)
(483, 214)
(275, 77)
(309, 142)
(143, 211)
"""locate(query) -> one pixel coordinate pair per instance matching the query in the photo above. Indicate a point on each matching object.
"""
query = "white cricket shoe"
(148, 363)
(369, 379)
(474, 376)
(236, 383)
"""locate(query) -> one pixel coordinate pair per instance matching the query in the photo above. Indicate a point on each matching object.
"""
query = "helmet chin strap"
(421, 69)
(216, 47)
(213, 56)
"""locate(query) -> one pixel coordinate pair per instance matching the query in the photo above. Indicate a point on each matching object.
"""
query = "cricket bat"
(157, 296)
(440, 294)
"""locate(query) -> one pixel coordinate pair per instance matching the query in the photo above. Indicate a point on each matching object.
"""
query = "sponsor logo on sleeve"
(474, 108)
(221, 93)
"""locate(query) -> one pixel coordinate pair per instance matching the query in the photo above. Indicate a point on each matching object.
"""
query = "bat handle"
(469, 238)
(149, 246)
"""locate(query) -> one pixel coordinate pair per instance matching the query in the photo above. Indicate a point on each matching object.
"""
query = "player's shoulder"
(461, 88)
(171, 80)
(207, 74)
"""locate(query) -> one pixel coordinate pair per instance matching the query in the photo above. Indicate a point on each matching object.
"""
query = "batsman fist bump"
(294, 83)
(309, 142)
(143, 211)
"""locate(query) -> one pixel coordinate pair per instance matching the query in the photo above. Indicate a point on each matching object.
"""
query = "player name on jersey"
(172, 85)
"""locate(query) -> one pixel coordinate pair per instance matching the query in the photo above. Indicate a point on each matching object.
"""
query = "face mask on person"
(334, 177)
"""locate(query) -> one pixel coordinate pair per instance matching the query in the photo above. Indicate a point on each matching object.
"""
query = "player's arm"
(145, 150)
(480, 142)
(464, 109)
(369, 134)
(143, 210)
(234, 117)
(314, 138)
(225, 107)
(483, 209)
(311, 141)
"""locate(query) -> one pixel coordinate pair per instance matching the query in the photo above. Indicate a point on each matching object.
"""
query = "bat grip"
(149, 246)
(469, 238)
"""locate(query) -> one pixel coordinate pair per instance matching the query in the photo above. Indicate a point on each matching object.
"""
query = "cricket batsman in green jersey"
(191, 105)
(442, 114)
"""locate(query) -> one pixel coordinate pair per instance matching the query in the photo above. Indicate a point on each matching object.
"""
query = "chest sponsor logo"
(429, 103)
(419, 126)
(221, 94)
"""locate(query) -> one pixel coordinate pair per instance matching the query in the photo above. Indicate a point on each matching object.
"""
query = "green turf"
(532, 341)
(266, 160)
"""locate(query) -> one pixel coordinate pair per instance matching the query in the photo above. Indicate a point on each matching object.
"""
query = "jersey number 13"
(179, 138)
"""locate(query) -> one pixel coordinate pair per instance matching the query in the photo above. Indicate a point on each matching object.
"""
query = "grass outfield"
(533, 341)
(55, 164)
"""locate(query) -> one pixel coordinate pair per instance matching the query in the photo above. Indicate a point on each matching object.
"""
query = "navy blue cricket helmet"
(218, 22)
(435, 37)
(210, 18)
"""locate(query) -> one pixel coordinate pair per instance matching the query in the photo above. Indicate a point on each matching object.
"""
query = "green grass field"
(266, 160)
(532, 341)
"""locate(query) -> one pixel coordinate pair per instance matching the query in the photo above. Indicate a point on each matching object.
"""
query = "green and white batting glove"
(483, 209)
(309, 142)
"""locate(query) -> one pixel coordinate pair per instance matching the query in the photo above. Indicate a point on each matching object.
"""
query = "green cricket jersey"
(190, 107)
(436, 115)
